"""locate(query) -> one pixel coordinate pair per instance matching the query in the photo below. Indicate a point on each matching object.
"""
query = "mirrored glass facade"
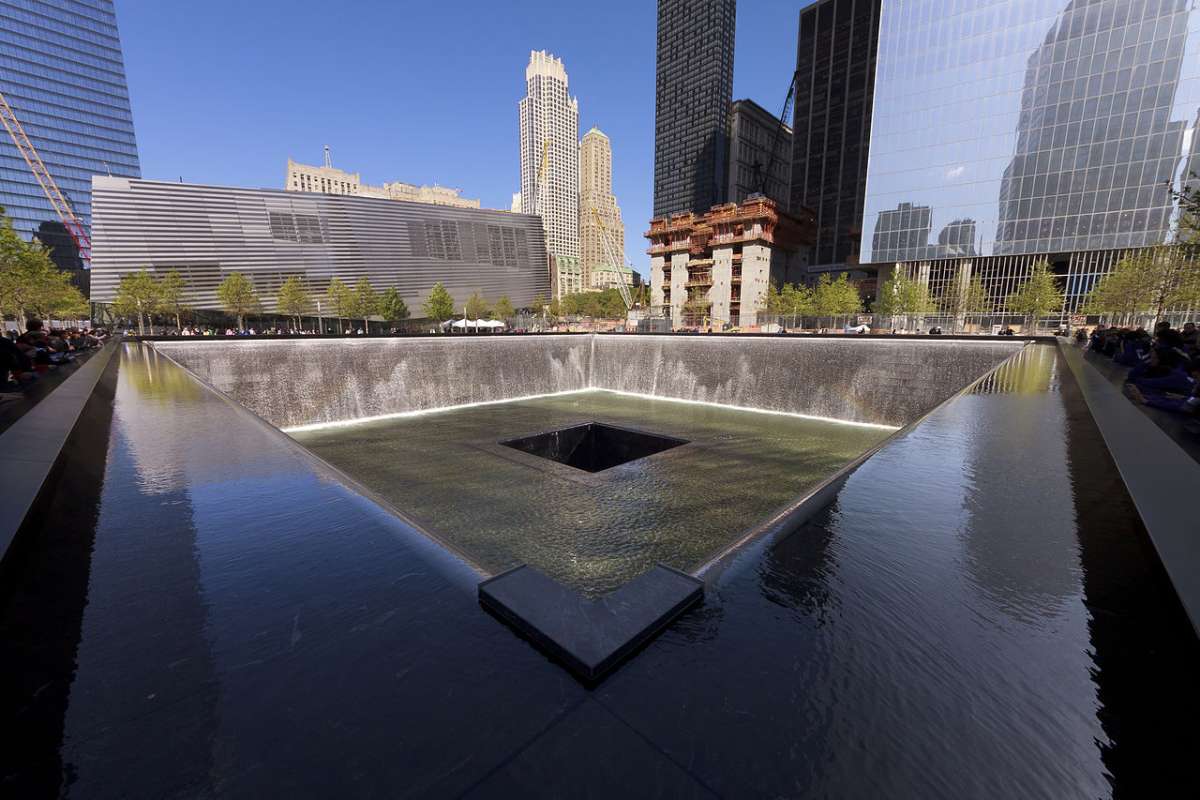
(62, 72)
(1034, 127)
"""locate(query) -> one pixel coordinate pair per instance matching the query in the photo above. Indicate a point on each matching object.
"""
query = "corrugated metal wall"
(208, 232)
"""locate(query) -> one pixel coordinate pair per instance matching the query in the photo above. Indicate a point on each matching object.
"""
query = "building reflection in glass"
(1054, 126)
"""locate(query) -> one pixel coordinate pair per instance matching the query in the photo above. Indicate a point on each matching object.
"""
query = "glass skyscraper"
(835, 71)
(1042, 129)
(693, 91)
(62, 72)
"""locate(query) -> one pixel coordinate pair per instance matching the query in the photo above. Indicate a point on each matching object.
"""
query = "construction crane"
(626, 298)
(61, 207)
(537, 182)
(783, 114)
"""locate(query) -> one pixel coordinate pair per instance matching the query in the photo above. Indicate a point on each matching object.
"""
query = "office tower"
(1043, 133)
(692, 94)
(328, 179)
(550, 153)
(760, 154)
(831, 128)
(601, 232)
(1096, 141)
(903, 230)
(63, 74)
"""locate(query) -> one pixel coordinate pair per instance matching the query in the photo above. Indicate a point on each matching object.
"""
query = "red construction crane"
(61, 207)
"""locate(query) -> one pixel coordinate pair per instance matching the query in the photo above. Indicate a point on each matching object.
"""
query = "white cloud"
(956, 172)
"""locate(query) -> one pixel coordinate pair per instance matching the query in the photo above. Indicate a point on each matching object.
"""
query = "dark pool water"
(206, 613)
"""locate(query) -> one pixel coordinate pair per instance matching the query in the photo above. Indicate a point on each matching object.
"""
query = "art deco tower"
(550, 153)
(599, 215)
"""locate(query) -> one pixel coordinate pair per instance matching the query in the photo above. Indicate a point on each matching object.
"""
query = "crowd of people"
(27, 356)
(1164, 367)
(209, 330)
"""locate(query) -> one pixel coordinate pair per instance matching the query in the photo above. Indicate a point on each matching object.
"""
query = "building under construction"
(713, 269)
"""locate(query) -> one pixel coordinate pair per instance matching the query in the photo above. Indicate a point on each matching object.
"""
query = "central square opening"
(594, 446)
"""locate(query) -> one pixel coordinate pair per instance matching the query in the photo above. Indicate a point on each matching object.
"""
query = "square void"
(594, 446)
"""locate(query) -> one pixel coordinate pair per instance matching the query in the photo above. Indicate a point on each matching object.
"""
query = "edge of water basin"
(438, 546)
(343, 423)
(420, 412)
(789, 519)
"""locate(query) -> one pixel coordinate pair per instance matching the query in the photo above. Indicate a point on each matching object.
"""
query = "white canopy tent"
(474, 324)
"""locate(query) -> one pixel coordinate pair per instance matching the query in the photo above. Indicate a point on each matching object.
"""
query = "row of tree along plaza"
(143, 299)
(1147, 285)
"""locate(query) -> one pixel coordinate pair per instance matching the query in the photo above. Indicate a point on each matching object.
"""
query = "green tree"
(964, 297)
(835, 297)
(611, 304)
(1122, 295)
(774, 301)
(170, 291)
(798, 302)
(439, 305)
(30, 284)
(977, 300)
(293, 299)
(238, 297)
(341, 300)
(1037, 297)
(539, 303)
(503, 310)
(138, 295)
(1172, 275)
(59, 299)
(477, 307)
(392, 307)
(903, 297)
(366, 302)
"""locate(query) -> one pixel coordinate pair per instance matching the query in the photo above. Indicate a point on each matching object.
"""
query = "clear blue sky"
(224, 92)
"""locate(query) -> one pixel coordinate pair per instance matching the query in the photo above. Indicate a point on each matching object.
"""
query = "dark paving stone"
(590, 636)
(589, 754)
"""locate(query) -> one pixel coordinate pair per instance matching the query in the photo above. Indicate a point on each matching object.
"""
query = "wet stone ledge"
(589, 636)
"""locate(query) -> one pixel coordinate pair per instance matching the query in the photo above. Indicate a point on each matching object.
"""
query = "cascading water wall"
(296, 382)
(872, 380)
(293, 383)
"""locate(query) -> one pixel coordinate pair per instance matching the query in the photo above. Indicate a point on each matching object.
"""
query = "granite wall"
(875, 380)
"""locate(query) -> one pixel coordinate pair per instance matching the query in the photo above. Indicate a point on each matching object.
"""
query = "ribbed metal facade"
(208, 232)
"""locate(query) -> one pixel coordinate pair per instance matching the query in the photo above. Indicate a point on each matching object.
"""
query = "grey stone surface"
(590, 636)
(859, 379)
(1162, 479)
(29, 448)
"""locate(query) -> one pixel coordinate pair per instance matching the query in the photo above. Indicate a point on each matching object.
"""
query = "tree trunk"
(141, 325)
(178, 322)
(241, 322)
